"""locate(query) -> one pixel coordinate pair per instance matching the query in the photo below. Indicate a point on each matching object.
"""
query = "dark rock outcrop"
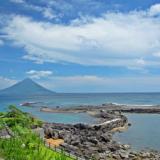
(86, 140)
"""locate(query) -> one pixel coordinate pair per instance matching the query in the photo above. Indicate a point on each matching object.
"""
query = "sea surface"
(144, 132)
(145, 129)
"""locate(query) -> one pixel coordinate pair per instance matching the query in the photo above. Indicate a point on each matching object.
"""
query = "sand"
(54, 142)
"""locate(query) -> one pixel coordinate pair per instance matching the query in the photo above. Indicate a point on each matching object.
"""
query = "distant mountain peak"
(27, 79)
(26, 87)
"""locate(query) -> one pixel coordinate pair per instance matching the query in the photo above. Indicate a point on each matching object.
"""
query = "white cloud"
(157, 54)
(39, 74)
(48, 13)
(45, 11)
(6, 82)
(121, 39)
(155, 10)
(91, 83)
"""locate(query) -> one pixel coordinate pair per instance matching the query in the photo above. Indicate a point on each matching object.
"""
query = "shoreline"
(96, 140)
(108, 107)
(88, 140)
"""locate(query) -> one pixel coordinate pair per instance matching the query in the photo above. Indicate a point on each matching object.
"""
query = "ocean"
(145, 129)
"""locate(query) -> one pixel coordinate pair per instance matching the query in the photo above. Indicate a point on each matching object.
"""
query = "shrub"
(25, 145)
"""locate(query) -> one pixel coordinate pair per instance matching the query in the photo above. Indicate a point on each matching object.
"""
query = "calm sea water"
(145, 129)
(144, 132)
(69, 99)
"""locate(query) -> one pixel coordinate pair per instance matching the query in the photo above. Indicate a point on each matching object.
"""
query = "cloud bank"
(92, 83)
(6, 82)
(39, 74)
(116, 39)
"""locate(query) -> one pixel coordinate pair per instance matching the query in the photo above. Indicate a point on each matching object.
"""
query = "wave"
(135, 105)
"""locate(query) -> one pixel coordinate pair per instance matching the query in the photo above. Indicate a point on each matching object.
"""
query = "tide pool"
(66, 118)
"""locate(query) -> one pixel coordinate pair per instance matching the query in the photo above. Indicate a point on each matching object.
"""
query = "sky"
(81, 45)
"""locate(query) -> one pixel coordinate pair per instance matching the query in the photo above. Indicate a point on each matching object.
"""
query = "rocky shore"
(95, 141)
(88, 141)
(108, 107)
(91, 141)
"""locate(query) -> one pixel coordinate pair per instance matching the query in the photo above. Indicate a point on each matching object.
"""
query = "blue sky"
(81, 45)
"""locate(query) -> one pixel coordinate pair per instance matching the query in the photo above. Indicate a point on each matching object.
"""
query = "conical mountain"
(27, 87)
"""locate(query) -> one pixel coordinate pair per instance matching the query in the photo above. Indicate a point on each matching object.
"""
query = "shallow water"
(71, 118)
(144, 133)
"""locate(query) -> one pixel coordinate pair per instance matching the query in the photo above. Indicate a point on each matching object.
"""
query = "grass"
(25, 145)
(28, 147)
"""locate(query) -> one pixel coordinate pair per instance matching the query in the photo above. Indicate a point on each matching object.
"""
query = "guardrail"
(67, 154)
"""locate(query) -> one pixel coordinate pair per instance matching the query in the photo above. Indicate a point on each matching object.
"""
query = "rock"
(96, 156)
(69, 147)
(75, 143)
(145, 155)
(39, 131)
(107, 152)
(125, 146)
(87, 144)
(116, 156)
(97, 127)
(62, 134)
(105, 138)
(133, 153)
(67, 138)
(93, 140)
(93, 149)
(48, 132)
(88, 141)
(124, 155)
(102, 148)
(80, 126)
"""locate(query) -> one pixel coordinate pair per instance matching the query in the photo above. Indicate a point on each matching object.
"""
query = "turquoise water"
(71, 118)
(144, 133)
(145, 129)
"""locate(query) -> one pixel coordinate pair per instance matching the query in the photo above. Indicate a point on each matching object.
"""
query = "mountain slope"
(26, 87)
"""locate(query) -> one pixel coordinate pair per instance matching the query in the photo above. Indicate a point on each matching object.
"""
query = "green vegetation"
(24, 145)
(16, 117)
